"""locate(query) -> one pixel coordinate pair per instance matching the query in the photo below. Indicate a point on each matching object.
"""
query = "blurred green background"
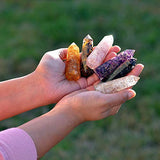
(30, 28)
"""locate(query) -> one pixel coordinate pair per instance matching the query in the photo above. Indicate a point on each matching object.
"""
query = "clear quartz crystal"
(117, 84)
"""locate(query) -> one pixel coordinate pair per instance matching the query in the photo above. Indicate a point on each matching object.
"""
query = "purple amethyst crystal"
(123, 69)
(106, 69)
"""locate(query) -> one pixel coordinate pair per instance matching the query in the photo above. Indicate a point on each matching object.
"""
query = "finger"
(91, 87)
(58, 54)
(118, 98)
(110, 56)
(63, 54)
(111, 111)
(137, 70)
(92, 79)
(55, 57)
(94, 47)
(115, 110)
(76, 92)
(115, 49)
(82, 82)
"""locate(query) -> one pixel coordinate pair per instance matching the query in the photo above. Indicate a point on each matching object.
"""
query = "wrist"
(69, 114)
(37, 88)
(20, 95)
(47, 85)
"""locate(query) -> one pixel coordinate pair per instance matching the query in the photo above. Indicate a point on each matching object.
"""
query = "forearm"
(20, 95)
(49, 129)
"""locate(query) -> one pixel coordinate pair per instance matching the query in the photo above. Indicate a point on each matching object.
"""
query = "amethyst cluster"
(117, 67)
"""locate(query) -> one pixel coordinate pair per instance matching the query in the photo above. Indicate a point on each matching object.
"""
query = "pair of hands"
(81, 99)
(77, 100)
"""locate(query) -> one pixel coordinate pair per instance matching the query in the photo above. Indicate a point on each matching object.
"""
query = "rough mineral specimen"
(123, 69)
(99, 53)
(87, 48)
(117, 84)
(72, 70)
(106, 69)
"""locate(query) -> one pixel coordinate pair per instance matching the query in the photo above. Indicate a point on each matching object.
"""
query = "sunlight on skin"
(136, 71)
(51, 70)
(94, 78)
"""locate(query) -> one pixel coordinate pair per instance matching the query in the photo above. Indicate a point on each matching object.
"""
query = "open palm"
(51, 70)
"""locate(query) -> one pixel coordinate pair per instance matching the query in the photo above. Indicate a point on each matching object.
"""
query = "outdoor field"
(28, 29)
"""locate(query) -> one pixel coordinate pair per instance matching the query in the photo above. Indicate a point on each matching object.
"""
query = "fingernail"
(131, 94)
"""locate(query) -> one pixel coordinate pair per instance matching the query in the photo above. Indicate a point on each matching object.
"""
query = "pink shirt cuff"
(16, 144)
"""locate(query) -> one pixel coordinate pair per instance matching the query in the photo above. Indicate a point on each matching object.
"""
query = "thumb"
(118, 98)
(58, 53)
(63, 53)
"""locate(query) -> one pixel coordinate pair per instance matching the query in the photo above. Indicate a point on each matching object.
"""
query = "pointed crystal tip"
(130, 50)
(73, 43)
(109, 37)
(88, 37)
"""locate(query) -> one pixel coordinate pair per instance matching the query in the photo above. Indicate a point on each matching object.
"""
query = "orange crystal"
(72, 71)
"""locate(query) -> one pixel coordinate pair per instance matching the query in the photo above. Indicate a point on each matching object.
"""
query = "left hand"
(51, 74)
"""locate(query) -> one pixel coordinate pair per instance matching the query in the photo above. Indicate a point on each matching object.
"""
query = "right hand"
(93, 105)
(88, 105)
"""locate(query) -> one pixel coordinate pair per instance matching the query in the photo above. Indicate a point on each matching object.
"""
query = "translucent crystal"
(99, 53)
(106, 69)
(72, 70)
(117, 84)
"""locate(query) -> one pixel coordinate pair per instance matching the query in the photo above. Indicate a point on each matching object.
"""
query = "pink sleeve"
(16, 144)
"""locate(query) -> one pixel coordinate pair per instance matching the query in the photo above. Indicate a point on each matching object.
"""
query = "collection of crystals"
(112, 73)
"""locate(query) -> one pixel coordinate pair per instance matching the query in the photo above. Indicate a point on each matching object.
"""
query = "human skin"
(83, 105)
(46, 85)
(72, 110)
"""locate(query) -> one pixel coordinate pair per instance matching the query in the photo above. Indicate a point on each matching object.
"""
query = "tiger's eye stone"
(72, 70)
(87, 48)
(99, 53)
(117, 84)
(107, 68)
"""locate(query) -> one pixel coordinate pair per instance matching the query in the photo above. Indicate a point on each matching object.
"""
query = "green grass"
(30, 28)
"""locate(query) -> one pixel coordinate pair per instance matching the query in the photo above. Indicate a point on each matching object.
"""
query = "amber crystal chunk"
(72, 70)
(87, 48)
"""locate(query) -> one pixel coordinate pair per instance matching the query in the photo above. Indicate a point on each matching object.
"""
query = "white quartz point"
(99, 53)
(117, 84)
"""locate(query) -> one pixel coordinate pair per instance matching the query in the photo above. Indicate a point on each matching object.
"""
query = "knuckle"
(114, 112)
(109, 102)
(124, 97)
